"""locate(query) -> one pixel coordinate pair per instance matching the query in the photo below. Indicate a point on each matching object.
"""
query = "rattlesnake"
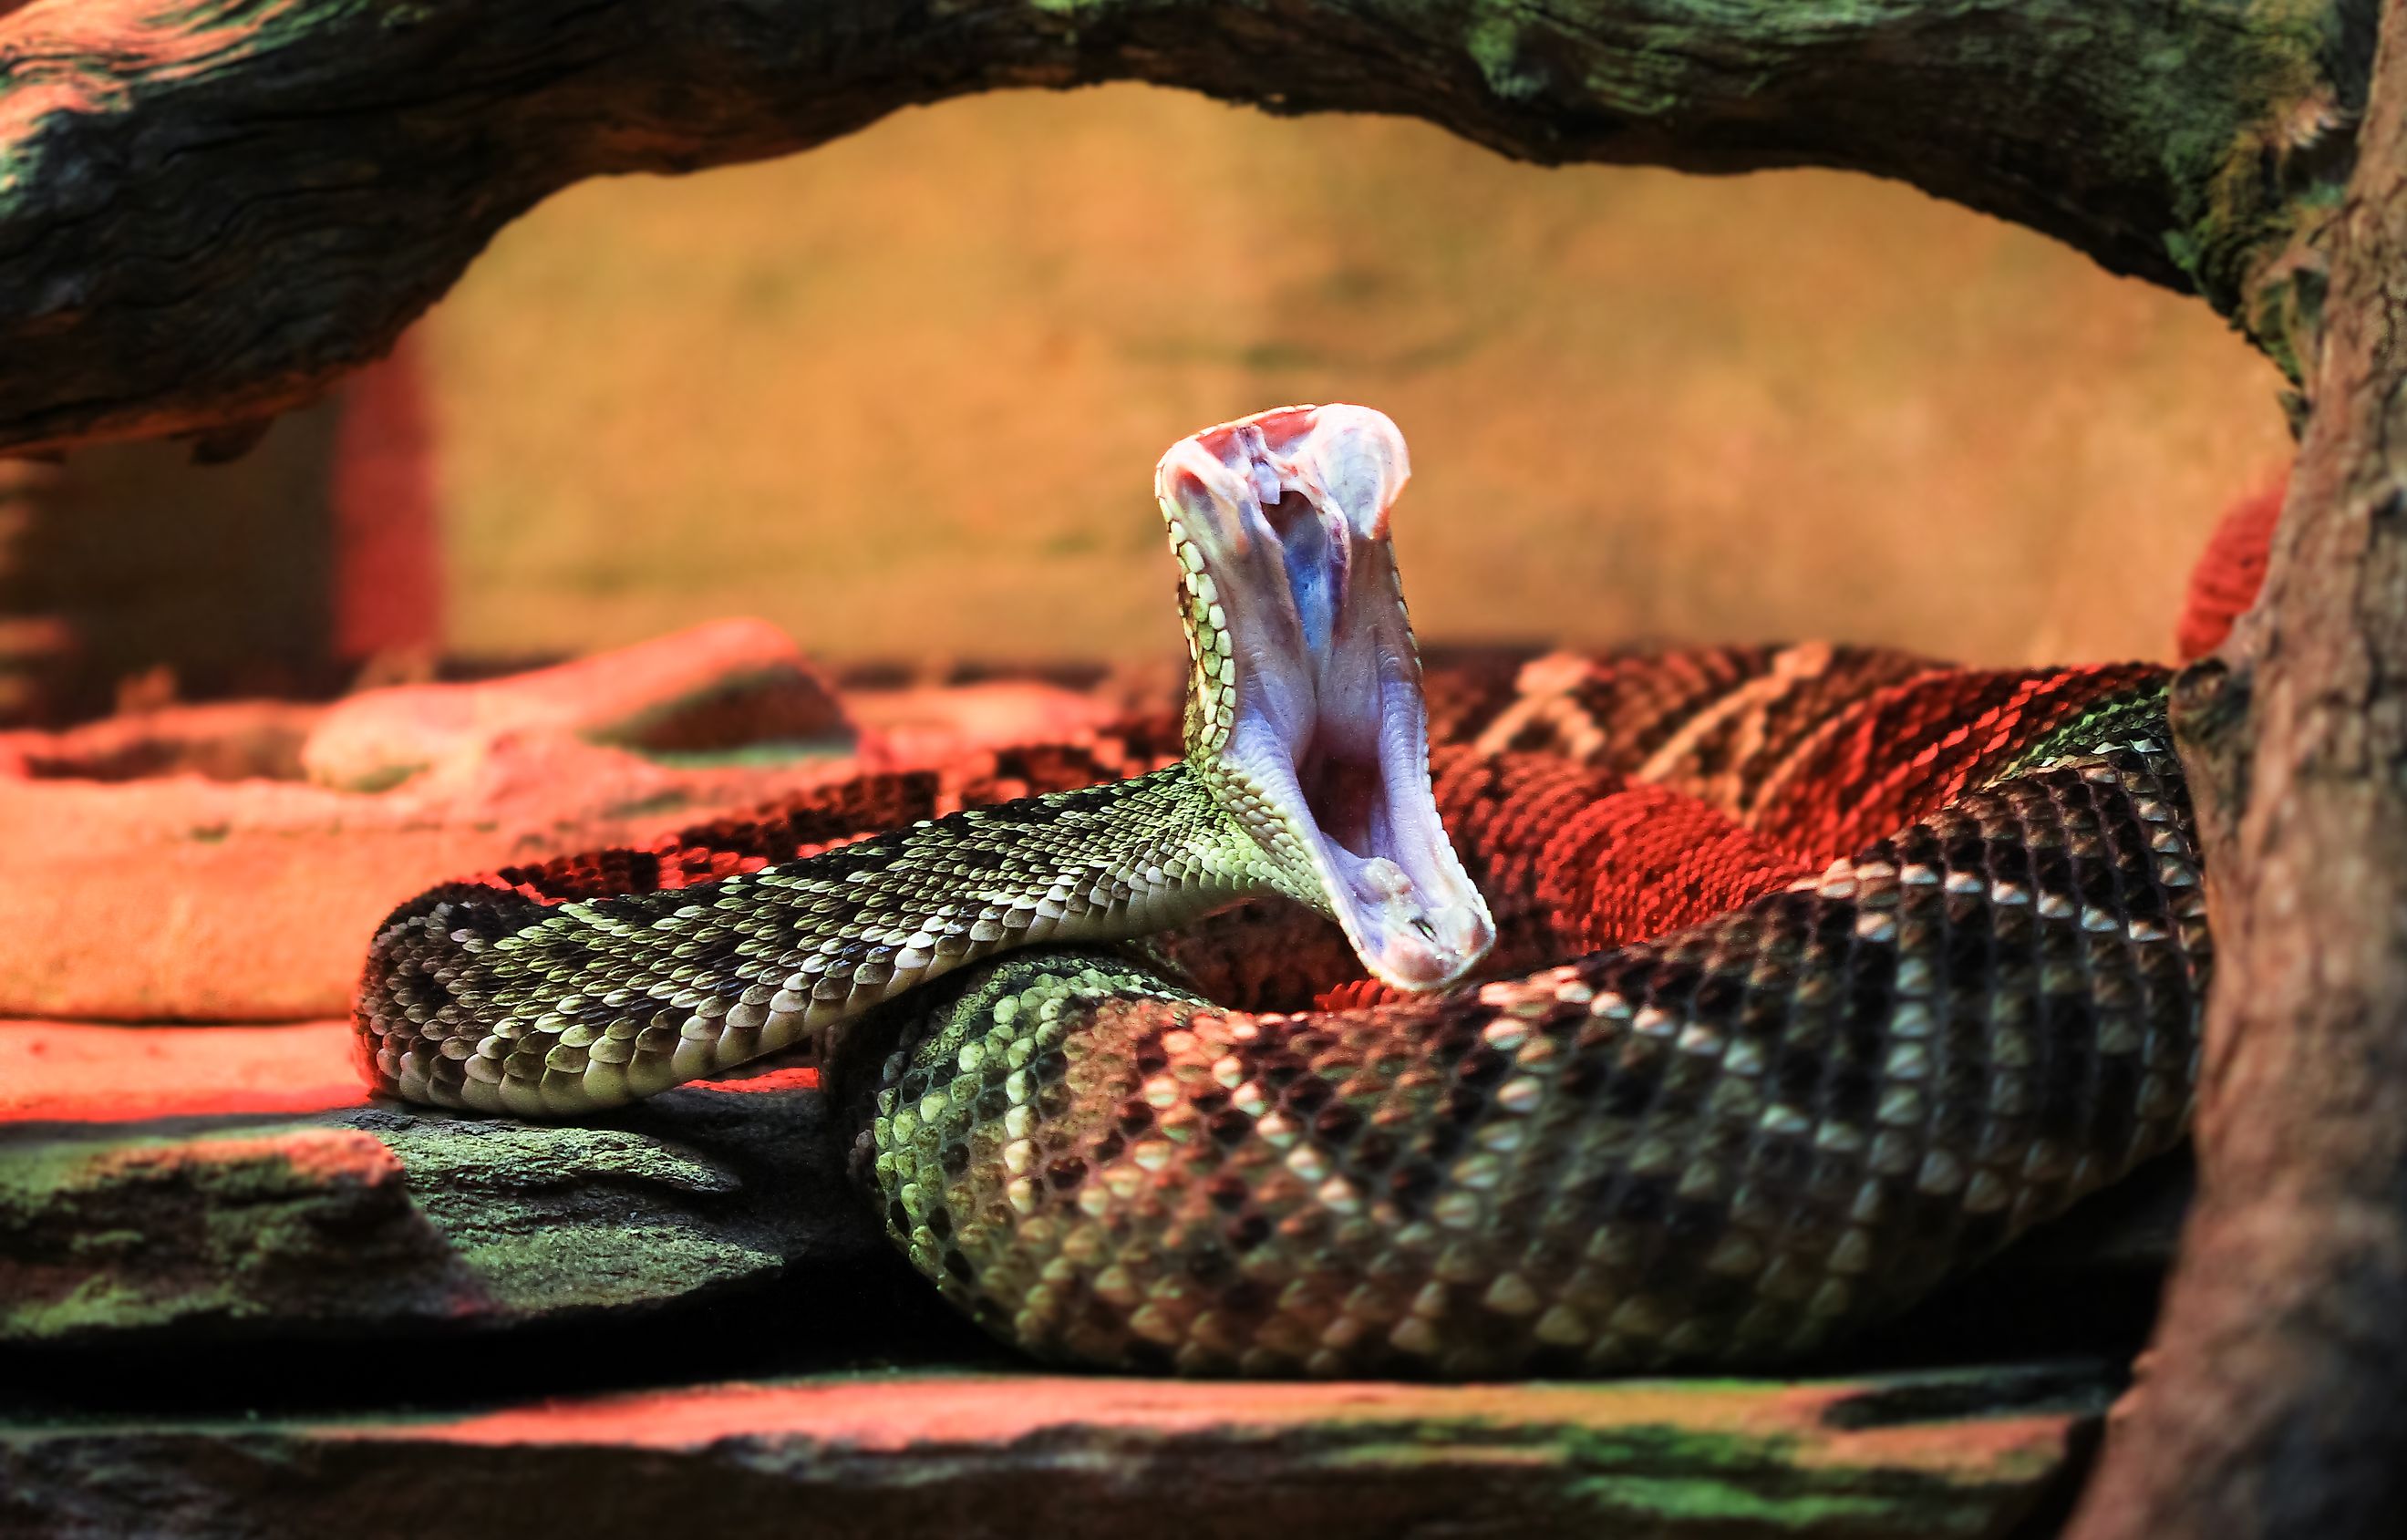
(1877, 963)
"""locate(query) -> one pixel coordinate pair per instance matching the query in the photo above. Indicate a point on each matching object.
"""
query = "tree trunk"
(209, 209)
(2275, 1397)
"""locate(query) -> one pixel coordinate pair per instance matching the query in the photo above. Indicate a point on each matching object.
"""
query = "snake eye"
(1423, 928)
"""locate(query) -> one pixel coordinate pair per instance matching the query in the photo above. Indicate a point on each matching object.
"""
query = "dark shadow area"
(2089, 1284)
(168, 580)
(876, 1314)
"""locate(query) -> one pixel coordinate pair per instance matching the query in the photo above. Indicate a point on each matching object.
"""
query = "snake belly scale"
(1919, 963)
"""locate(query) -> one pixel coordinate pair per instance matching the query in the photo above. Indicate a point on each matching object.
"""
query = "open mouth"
(1325, 750)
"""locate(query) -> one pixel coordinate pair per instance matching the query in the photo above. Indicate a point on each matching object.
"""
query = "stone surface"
(211, 1184)
(1959, 1454)
(229, 862)
(925, 724)
(718, 686)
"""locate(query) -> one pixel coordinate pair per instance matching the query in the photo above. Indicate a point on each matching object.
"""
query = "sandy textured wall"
(902, 395)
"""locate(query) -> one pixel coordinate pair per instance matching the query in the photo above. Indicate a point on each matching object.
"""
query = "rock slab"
(1965, 1454)
(160, 1184)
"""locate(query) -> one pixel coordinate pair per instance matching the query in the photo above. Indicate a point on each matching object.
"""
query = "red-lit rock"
(1967, 1453)
(718, 687)
(228, 863)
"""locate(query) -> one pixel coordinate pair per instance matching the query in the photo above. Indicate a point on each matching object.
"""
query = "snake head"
(1306, 715)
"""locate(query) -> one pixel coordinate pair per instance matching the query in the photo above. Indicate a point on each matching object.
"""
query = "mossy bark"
(2275, 1400)
(211, 209)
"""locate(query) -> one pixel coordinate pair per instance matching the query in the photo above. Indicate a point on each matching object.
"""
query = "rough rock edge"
(350, 1222)
(1969, 1454)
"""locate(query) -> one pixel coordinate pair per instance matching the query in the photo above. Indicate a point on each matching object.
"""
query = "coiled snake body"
(1877, 965)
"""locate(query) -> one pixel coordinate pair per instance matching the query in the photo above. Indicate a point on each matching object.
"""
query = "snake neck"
(497, 1003)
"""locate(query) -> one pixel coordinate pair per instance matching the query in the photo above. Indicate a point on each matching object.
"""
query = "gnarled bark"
(2276, 1400)
(210, 208)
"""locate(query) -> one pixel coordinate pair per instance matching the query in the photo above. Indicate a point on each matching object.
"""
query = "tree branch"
(211, 209)
(2276, 1402)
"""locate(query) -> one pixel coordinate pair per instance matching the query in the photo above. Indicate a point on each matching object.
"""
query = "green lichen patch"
(304, 1224)
(369, 1218)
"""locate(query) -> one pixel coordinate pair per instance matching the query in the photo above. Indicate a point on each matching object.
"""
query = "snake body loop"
(499, 1002)
(1734, 1143)
(1872, 965)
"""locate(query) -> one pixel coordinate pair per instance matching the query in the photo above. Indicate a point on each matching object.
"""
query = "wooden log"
(211, 209)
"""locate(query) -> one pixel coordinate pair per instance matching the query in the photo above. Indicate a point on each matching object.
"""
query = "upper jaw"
(1285, 517)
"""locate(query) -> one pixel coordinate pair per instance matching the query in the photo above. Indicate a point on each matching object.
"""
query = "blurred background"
(902, 395)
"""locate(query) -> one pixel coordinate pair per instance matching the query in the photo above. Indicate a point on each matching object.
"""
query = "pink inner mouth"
(1289, 511)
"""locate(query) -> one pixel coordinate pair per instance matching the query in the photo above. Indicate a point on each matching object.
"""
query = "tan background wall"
(903, 396)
